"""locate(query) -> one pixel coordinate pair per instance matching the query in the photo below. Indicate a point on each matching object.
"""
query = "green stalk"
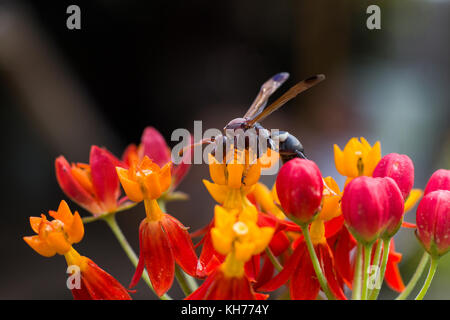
(274, 260)
(376, 262)
(356, 294)
(431, 272)
(416, 276)
(316, 264)
(187, 283)
(111, 221)
(376, 291)
(367, 256)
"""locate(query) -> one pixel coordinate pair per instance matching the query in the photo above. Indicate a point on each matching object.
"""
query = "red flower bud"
(398, 167)
(372, 207)
(433, 222)
(299, 187)
(440, 180)
(395, 207)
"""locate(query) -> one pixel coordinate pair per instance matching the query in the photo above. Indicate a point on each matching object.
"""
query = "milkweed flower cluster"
(304, 235)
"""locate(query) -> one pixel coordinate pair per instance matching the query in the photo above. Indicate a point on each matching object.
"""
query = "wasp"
(287, 145)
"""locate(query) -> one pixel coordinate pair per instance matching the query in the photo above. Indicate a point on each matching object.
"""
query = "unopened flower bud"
(299, 187)
(400, 168)
(363, 206)
(440, 180)
(433, 222)
(395, 207)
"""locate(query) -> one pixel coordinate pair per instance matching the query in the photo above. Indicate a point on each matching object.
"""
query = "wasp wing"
(264, 93)
(290, 94)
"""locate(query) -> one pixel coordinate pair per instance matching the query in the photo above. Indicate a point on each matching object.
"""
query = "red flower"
(95, 187)
(299, 187)
(299, 270)
(433, 222)
(97, 284)
(395, 208)
(400, 168)
(208, 255)
(343, 245)
(440, 180)
(88, 281)
(162, 243)
(220, 287)
(371, 207)
(154, 146)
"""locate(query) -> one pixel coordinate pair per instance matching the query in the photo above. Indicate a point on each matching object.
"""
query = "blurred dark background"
(166, 64)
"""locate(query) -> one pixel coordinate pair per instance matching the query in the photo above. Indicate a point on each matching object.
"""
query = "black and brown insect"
(287, 145)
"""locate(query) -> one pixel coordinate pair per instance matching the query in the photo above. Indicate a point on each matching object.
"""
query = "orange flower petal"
(218, 192)
(152, 186)
(235, 171)
(35, 223)
(58, 242)
(217, 170)
(132, 188)
(252, 175)
(63, 214)
(339, 160)
(412, 199)
(165, 177)
(76, 229)
(41, 247)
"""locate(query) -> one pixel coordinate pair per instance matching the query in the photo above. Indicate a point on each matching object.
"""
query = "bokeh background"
(166, 64)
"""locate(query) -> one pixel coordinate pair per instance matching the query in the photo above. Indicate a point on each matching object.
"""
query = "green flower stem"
(367, 256)
(376, 262)
(377, 255)
(186, 282)
(376, 291)
(273, 259)
(431, 272)
(316, 264)
(125, 206)
(111, 221)
(416, 276)
(356, 294)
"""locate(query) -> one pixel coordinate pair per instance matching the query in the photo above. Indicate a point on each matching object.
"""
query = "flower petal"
(304, 284)
(153, 145)
(40, 246)
(158, 256)
(101, 285)
(289, 268)
(328, 267)
(104, 177)
(392, 275)
(72, 188)
(132, 188)
(412, 199)
(218, 192)
(130, 155)
(181, 244)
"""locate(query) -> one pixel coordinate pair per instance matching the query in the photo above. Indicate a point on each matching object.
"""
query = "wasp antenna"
(317, 77)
